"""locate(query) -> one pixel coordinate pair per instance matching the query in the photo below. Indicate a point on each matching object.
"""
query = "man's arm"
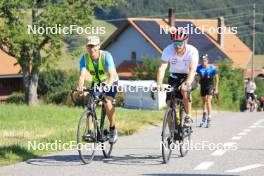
(161, 72)
(112, 75)
(84, 76)
(111, 69)
(254, 86)
(192, 71)
(216, 83)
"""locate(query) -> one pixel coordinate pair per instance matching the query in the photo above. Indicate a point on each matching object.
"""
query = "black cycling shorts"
(207, 90)
(112, 91)
(261, 105)
(251, 95)
(176, 81)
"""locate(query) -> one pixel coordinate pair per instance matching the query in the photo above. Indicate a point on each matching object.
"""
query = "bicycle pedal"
(89, 139)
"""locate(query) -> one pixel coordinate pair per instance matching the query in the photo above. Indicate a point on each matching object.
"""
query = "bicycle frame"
(177, 105)
(91, 106)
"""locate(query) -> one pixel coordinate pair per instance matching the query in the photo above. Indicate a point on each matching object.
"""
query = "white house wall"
(131, 40)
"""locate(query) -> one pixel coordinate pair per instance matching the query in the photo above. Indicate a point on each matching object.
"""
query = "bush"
(231, 86)
(51, 81)
(16, 98)
(147, 69)
(73, 77)
(260, 87)
(57, 97)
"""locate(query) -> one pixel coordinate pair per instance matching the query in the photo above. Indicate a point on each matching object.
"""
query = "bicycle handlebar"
(170, 89)
(89, 91)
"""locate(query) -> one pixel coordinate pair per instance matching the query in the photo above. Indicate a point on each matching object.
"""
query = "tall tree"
(35, 50)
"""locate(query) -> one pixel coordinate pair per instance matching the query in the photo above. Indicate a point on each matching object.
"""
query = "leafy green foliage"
(260, 87)
(16, 98)
(34, 51)
(51, 81)
(58, 97)
(231, 86)
(147, 69)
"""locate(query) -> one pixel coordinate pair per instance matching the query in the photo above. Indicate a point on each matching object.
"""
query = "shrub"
(260, 87)
(231, 86)
(147, 69)
(51, 81)
(57, 97)
(16, 98)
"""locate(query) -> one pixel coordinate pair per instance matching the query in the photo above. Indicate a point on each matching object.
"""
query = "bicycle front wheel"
(86, 147)
(167, 135)
(104, 126)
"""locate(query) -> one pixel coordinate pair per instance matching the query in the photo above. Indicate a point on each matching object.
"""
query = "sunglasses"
(178, 43)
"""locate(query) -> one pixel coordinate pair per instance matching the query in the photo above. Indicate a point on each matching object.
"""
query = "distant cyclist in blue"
(209, 80)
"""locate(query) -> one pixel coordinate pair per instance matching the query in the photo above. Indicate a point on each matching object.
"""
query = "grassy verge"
(48, 123)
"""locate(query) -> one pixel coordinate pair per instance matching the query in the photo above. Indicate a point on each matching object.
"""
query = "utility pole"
(253, 41)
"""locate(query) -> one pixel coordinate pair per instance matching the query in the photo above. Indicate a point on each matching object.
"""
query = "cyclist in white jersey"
(183, 60)
(250, 89)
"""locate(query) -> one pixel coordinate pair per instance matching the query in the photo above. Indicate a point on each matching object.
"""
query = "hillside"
(73, 43)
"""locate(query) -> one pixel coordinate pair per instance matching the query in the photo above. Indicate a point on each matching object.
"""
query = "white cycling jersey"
(180, 64)
(250, 87)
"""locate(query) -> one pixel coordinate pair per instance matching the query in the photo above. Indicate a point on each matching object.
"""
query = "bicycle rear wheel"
(86, 149)
(104, 126)
(167, 135)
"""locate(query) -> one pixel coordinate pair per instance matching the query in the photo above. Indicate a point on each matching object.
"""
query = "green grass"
(47, 123)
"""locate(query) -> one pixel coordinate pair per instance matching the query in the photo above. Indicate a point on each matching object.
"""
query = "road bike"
(89, 122)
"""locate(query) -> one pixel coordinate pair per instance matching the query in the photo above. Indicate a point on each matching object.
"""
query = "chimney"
(220, 31)
(172, 17)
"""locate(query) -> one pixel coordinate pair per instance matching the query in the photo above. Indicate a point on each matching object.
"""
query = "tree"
(36, 50)
(147, 69)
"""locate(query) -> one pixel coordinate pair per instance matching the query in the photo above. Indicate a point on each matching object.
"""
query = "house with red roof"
(11, 79)
(139, 37)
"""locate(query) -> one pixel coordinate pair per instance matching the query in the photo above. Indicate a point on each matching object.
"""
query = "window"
(133, 55)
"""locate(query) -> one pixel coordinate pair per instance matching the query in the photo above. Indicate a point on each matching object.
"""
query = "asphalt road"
(140, 154)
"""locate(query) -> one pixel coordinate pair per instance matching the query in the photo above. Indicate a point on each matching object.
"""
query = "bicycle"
(173, 129)
(100, 133)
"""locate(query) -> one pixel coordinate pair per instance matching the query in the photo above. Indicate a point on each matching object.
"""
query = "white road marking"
(218, 152)
(247, 130)
(260, 126)
(248, 167)
(242, 134)
(236, 137)
(229, 144)
(252, 126)
(260, 121)
(256, 123)
(204, 165)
